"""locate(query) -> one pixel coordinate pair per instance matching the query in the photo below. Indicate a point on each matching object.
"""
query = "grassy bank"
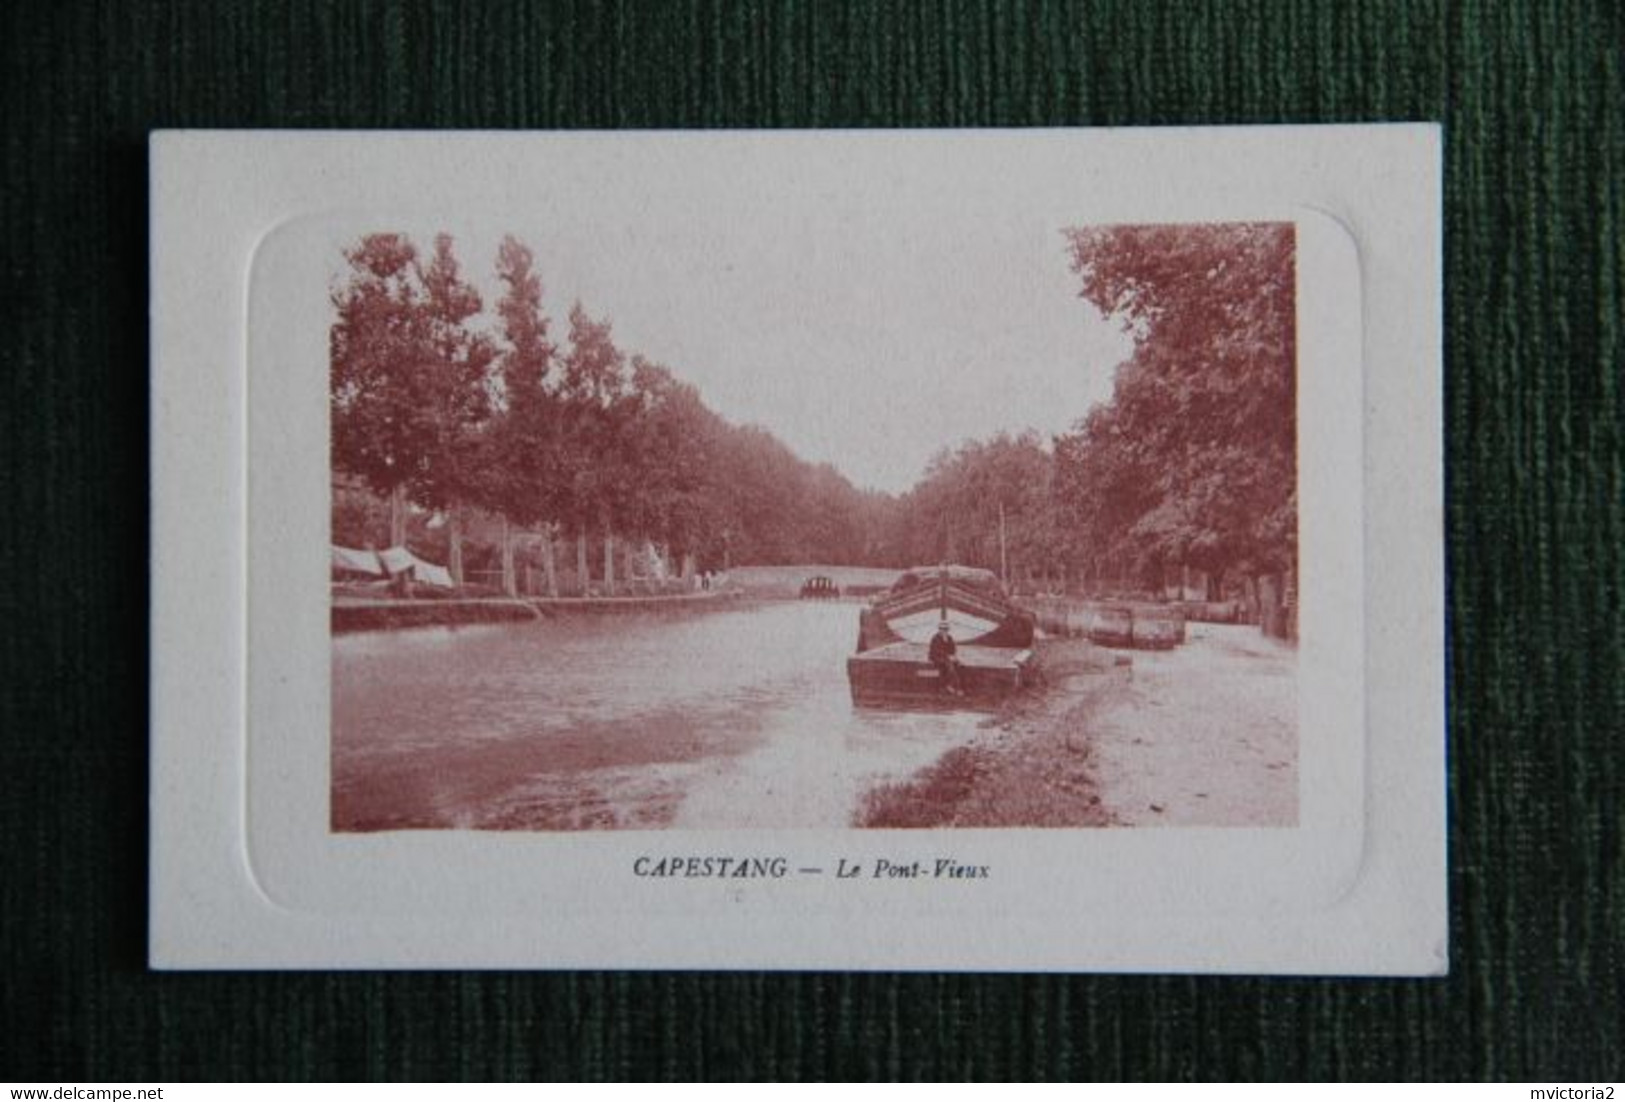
(1204, 735)
(1031, 764)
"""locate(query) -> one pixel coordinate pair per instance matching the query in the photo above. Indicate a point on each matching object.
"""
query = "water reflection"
(731, 719)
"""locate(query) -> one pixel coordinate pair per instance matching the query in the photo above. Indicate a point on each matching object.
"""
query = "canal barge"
(1139, 625)
(993, 640)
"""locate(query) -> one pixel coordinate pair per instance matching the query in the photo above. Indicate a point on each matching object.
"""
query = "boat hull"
(900, 675)
(993, 640)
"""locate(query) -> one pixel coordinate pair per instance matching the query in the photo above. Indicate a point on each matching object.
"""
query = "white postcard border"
(243, 876)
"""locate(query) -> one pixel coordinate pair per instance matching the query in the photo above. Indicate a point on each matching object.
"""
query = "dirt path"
(1203, 735)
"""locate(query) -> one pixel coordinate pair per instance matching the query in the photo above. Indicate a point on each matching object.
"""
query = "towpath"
(1202, 735)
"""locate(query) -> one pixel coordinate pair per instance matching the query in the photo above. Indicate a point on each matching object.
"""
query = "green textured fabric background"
(1533, 100)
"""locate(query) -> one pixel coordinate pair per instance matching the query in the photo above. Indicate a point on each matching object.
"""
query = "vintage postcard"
(951, 550)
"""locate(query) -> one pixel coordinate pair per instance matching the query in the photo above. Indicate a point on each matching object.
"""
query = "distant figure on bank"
(943, 655)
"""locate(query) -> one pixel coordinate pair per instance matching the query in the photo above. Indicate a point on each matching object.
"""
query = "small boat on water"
(820, 588)
(992, 637)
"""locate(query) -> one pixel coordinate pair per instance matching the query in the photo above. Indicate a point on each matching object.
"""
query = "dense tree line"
(986, 503)
(1191, 464)
(460, 412)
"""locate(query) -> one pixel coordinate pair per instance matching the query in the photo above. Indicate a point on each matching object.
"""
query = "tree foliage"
(985, 504)
(1191, 462)
(410, 379)
(1194, 459)
(523, 445)
(430, 395)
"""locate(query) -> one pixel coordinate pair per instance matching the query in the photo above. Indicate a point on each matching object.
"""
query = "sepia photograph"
(849, 517)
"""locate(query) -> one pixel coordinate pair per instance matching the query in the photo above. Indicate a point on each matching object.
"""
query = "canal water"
(708, 720)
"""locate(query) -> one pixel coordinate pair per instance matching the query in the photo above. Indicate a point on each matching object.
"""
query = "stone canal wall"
(349, 615)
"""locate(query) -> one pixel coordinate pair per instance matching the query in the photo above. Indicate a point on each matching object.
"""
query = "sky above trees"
(455, 400)
(829, 323)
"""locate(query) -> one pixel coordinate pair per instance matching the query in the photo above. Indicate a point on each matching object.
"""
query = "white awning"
(398, 560)
(356, 562)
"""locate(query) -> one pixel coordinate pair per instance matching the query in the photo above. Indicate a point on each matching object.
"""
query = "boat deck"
(899, 673)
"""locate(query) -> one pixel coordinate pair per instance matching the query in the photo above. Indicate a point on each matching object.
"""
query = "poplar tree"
(409, 381)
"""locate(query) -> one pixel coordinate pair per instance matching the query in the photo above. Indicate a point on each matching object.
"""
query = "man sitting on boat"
(943, 655)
